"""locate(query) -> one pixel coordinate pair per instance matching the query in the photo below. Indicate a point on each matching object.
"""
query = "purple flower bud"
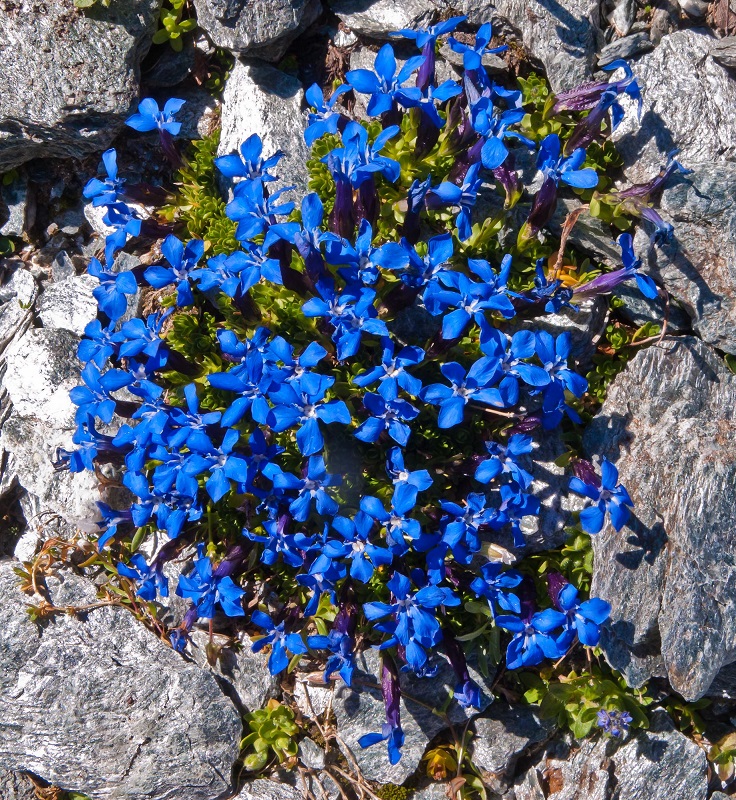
(556, 582)
(584, 470)
(391, 691)
(527, 595)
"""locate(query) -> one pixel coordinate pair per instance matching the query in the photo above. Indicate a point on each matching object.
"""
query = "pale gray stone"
(69, 305)
(639, 310)
(629, 46)
(698, 265)
(263, 789)
(243, 674)
(503, 733)
(379, 18)
(261, 99)
(660, 764)
(529, 787)
(311, 754)
(583, 776)
(20, 205)
(359, 710)
(622, 16)
(69, 79)
(150, 724)
(724, 52)
(695, 9)
(703, 128)
(62, 267)
(667, 424)
(15, 786)
(262, 28)
(17, 294)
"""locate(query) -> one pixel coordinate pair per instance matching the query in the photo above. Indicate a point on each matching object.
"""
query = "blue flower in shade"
(282, 643)
(396, 524)
(357, 549)
(512, 355)
(358, 160)
(291, 547)
(615, 723)
(610, 496)
(414, 624)
(364, 262)
(554, 354)
(310, 488)
(319, 581)
(324, 119)
(533, 639)
(495, 585)
(182, 260)
(462, 196)
(610, 280)
(94, 398)
(388, 413)
(90, 444)
(149, 118)
(474, 385)
(250, 164)
(588, 95)
(151, 579)
(462, 523)
(566, 169)
(98, 344)
(470, 299)
(189, 425)
(399, 475)
(223, 465)
(428, 98)
(105, 192)
(552, 293)
(206, 588)
(383, 84)
(111, 520)
(124, 222)
(392, 369)
(504, 461)
(473, 56)
(422, 269)
(426, 39)
(301, 403)
(253, 210)
(583, 620)
(246, 380)
(342, 658)
(294, 367)
(351, 314)
(110, 294)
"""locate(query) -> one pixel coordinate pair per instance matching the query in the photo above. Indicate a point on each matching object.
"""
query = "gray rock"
(698, 266)
(311, 754)
(724, 52)
(529, 787)
(17, 294)
(14, 786)
(492, 63)
(665, 20)
(260, 99)
(503, 733)
(695, 9)
(171, 67)
(258, 28)
(589, 234)
(62, 267)
(627, 47)
(68, 305)
(267, 790)
(703, 128)
(583, 776)
(378, 18)
(639, 310)
(359, 710)
(199, 116)
(660, 764)
(20, 203)
(152, 725)
(724, 684)
(242, 673)
(435, 791)
(69, 79)
(562, 36)
(622, 16)
(667, 425)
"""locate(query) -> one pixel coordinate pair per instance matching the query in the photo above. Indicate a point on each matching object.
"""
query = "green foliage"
(573, 700)
(722, 755)
(320, 180)
(198, 204)
(175, 22)
(574, 560)
(90, 3)
(272, 732)
(390, 791)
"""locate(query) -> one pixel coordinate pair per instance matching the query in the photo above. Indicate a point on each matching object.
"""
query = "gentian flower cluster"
(304, 409)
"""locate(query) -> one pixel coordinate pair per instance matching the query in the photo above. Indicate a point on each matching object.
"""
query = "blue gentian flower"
(125, 222)
(253, 210)
(399, 475)
(462, 523)
(190, 424)
(609, 280)
(512, 355)
(583, 620)
(149, 118)
(494, 127)
(363, 555)
(251, 265)
(610, 496)
(137, 337)
(105, 192)
(182, 260)
(475, 385)
(364, 261)
(250, 164)
(427, 100)
(473, 56)
(342, 659)
(383, 84)
(532, 640)
(98, 344)
(311, 487)
(223, 465)
(282, 643)
(391, 732)
(554, 353)
(388, 413)
(110, 294)
(206, 588)
(395, 523)
(426, 39)
(249, 382)
(589, 95)
(94, 398)
(422, 269)
(319, 581)
(294, 366)
(567, 169)
(462, 196)
(111, 520)
(291, 547)
(151, 579)
(323, 119)
(414, 624)
(503, 461)
(495, 585)
(615, 723)
(392, 369)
